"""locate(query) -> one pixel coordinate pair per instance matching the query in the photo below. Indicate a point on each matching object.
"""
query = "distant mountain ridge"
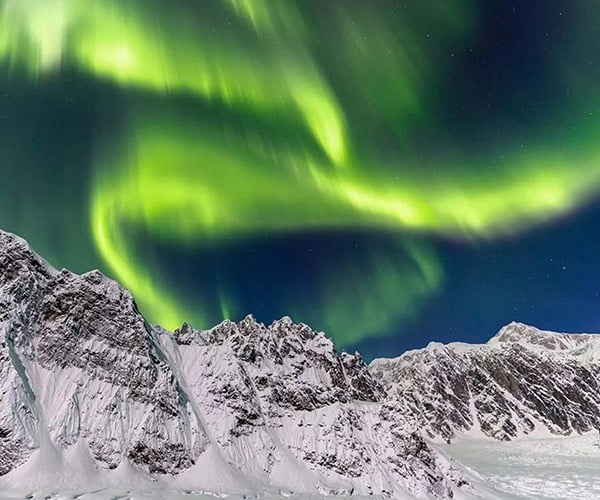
(520, 381)
(84, 379)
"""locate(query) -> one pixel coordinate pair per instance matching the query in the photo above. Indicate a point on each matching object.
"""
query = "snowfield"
(51, 475)
(546, 468)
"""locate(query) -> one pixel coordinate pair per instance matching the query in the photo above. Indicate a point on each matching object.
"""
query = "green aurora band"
(284, 155)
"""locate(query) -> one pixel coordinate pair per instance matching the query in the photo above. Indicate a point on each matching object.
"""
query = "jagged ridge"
(522, 380)
(260, 405)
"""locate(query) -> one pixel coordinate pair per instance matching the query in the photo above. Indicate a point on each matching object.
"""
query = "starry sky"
(391, 172)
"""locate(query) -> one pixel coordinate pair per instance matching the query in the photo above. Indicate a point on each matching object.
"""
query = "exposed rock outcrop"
(521, 380)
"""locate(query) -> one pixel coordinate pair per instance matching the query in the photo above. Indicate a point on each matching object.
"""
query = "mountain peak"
(520, 333)
(501, 388)
(17, 257)
(7, 239)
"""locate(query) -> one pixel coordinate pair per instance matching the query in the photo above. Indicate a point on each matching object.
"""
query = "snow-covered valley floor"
(544, 468)
(549, 468)
(52, 475)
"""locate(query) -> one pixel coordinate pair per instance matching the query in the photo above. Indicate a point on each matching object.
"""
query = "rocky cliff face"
(522, 380)
(79, 362)
(243, 403)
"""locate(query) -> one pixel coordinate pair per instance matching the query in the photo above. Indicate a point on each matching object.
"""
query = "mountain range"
(92, 396)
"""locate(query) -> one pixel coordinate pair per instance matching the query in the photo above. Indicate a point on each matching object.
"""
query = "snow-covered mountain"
(522, 380)
(87, 384)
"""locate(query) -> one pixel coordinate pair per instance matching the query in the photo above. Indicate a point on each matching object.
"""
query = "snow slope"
(547, 468)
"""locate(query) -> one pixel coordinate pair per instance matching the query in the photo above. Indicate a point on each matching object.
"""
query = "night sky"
(391, 172)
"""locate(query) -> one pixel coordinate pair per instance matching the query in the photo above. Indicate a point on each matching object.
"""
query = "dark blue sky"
(548, 277)
(428, 96)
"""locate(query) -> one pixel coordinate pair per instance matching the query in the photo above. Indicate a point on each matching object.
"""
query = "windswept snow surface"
(52, 474)
(547, 468)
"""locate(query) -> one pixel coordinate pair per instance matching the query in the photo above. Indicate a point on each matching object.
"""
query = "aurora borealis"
(374, 169)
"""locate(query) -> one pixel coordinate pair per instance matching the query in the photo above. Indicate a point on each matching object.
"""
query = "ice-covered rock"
(520, 381)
